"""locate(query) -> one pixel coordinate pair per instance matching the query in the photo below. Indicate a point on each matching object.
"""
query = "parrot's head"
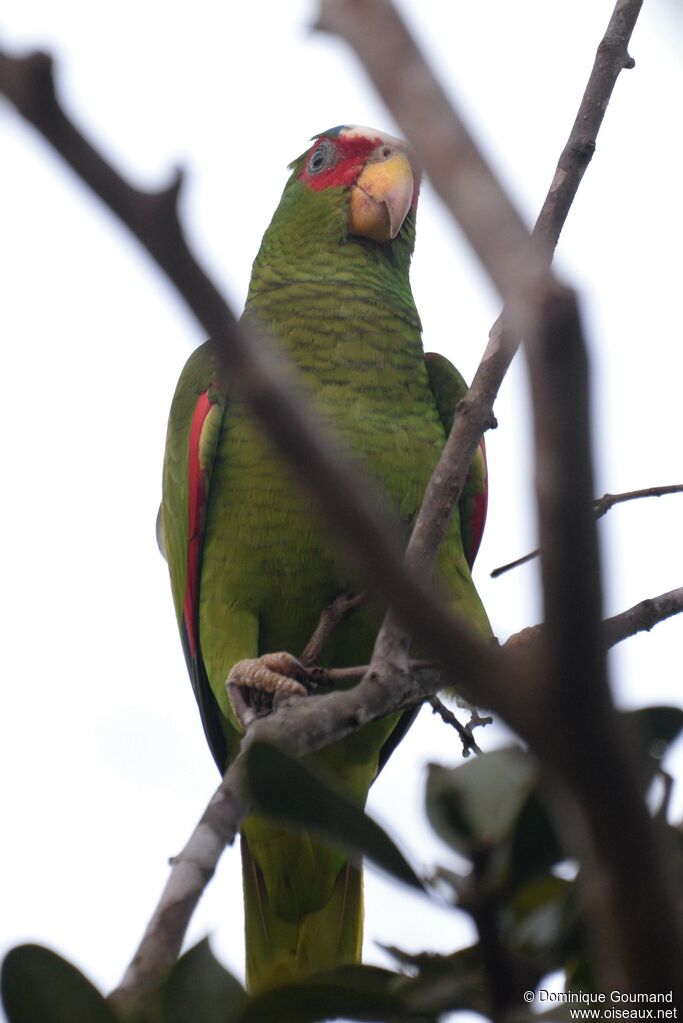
(347, 209)
(375, 172)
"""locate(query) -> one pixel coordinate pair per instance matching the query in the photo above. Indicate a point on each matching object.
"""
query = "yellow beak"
(381, 197)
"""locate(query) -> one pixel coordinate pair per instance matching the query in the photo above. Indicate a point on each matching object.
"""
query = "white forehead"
(350, 131)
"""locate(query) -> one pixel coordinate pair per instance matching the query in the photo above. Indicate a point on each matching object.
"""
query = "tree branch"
(298, 725)
(643, 616)
(573, 687)
(395, 64)
(340, 608)
(537, 308)
(464, 731)
(303, 726)
(608, 501)
(446, 149)
(636, 933)
(250, 369)
(640, 618)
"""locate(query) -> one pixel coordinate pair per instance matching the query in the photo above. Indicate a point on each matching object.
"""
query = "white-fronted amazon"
(251, 565)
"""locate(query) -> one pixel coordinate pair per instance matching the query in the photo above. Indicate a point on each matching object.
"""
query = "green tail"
(287, 941)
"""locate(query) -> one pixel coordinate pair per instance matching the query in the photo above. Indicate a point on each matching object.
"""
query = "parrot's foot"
(255, 685)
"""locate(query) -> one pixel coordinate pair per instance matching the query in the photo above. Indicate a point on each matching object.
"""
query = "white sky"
(103, 760)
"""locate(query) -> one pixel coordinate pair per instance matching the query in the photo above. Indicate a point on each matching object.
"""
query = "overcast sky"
(104, 765)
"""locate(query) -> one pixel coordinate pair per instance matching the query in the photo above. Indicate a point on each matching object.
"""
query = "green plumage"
(341, 309)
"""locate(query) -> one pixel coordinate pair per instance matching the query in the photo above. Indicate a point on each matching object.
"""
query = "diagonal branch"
(331, 616)
(469, 744)
(643, 616)
(299, 725)
(395, 64)
(350, 508)
(573, 688)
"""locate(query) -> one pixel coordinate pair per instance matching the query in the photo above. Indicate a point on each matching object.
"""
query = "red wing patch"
(196, 509)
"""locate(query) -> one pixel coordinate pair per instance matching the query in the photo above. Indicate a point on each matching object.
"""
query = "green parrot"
(251, 564)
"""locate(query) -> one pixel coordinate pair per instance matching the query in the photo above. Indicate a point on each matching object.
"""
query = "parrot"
(251, 563)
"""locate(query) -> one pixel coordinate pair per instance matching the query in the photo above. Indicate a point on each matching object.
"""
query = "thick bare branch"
(545, 314)
(636, 932)
(441, 141)
(451, 158)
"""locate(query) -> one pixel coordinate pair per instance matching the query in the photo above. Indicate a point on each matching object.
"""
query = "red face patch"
(336, 162)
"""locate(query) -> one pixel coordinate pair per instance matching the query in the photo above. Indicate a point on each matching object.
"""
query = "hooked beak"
(382, 195)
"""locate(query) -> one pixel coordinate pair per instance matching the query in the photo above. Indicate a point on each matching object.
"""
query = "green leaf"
(476, 805)
(355, 993)
(444, 983)
(285, 789)
(541, 922)
(655, 728)
(535, 847)
(200, 988)
(38, 986)
(453, 885)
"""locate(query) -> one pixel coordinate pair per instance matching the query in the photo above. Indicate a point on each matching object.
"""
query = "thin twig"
(601, 506)
(525, 558)
(607, 501)
(331, 616)
(464, 731)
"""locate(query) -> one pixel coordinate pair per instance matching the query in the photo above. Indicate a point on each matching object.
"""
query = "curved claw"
(254, 685)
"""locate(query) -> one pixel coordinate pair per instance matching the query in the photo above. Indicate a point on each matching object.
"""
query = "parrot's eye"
(323, 157)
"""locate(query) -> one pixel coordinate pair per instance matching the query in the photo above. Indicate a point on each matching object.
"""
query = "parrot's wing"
(194, 429)
(448, 388)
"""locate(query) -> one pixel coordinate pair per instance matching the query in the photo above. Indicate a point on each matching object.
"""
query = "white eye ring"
(322, 158)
